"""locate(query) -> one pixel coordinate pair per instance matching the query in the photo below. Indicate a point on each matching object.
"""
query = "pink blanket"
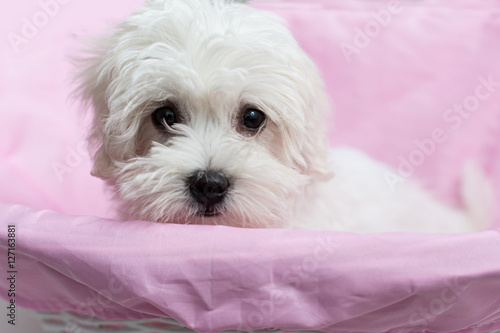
(397, 73)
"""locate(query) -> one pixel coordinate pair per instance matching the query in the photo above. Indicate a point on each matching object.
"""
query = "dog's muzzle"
(208, 188)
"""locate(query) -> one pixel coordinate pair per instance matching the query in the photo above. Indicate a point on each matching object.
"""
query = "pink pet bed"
(397, 73)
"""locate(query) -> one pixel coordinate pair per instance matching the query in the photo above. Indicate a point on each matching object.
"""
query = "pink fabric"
(216, 278)
(389, 98)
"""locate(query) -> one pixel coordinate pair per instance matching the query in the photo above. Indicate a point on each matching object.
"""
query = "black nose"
(208, 187)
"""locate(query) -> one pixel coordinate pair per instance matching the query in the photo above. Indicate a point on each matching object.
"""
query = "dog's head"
(205, 112)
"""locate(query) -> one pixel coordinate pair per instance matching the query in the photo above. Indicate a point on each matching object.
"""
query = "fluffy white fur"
(213, 59)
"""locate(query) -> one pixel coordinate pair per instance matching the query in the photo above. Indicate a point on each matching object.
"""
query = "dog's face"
(206, 112)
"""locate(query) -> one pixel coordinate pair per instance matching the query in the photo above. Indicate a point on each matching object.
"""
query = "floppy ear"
(92, 80)
(103, 167)
(315, 151)
(312, 138)
(304, 135)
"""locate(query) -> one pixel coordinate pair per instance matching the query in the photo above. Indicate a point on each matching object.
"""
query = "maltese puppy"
(209, 112)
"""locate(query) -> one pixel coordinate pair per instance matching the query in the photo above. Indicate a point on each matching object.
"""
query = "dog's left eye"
(164, 117)
(253, 119)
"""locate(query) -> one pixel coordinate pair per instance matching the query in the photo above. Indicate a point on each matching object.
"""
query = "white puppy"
(209, 112)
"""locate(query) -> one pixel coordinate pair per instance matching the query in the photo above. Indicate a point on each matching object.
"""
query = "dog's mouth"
(208, 212)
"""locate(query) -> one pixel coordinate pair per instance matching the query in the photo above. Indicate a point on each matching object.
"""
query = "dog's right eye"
(164, 117)
(253, 119)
